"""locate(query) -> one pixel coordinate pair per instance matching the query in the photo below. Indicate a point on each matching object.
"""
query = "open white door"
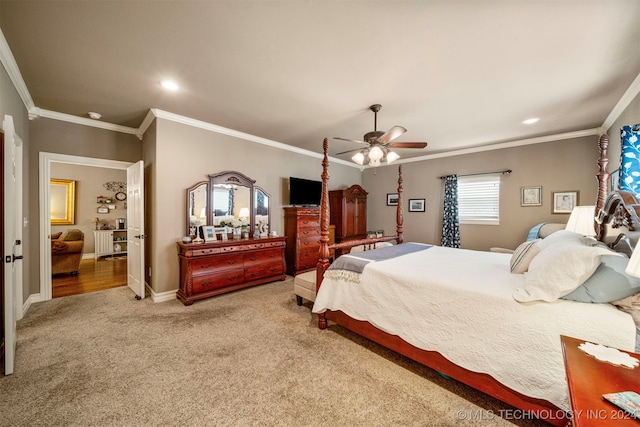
(135, 228)
(12, 194)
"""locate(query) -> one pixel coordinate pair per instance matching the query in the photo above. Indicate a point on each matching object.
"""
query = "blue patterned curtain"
(630, 159)
(450, 221)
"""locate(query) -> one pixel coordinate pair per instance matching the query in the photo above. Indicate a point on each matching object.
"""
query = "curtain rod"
(504, 172)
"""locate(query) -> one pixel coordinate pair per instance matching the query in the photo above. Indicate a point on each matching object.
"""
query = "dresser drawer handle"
(205, 284)
(229, 249)
(205, 267)
(232, 262)
(255, 258)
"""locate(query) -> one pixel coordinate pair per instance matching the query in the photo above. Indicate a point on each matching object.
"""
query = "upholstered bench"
(304, 286)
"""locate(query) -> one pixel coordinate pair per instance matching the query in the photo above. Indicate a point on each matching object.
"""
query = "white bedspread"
(459, 303)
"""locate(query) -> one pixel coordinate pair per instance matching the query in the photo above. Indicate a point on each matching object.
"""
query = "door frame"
(46, 160)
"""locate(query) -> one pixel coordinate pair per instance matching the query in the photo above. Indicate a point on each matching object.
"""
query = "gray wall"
(556, 166)
(180, 155)
(11, 104)
(53, 136)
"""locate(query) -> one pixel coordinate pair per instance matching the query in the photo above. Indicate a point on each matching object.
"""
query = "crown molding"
(241, 135)
(10, 64)
(623, 103)
(502, 145)
(85, 121)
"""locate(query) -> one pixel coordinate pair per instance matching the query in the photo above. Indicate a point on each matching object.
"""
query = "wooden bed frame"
(614, 211)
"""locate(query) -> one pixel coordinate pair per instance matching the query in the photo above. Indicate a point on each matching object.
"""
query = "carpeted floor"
(249, 358)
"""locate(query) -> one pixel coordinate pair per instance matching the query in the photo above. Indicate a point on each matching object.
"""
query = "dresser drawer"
(264, 270)
(209, 265)
(263, 257)
(220, 280)
(313, 222)
(308, 233)
(309, 257)
(310, 243)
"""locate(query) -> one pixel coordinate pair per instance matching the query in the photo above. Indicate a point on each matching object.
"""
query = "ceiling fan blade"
(350, 151)
(392, 133)
(350, 140)
(408, 145)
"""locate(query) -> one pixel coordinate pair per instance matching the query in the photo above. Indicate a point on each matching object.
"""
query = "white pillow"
(560, 267)
(523, 255)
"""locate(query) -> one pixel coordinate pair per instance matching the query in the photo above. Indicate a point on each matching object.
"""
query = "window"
(479, 199)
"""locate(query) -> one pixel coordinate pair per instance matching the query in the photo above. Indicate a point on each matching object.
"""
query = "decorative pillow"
(561, 267)
(523, 255)
(608, 283)
(566, 237)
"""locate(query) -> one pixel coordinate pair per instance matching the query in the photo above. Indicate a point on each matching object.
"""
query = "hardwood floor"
(94, 275)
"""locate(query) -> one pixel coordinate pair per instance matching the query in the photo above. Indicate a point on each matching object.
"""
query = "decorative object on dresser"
(214, 268)
(349, 212)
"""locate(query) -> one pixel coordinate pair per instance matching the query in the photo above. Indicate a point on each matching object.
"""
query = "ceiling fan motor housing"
(371, 136)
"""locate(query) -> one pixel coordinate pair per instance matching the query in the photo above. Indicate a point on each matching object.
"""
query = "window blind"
(479, 199)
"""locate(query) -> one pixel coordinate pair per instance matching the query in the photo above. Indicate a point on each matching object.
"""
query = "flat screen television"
(304, 192)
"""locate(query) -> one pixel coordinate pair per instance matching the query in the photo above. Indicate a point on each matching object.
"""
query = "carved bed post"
(323, 261)
(603, 183)
(399, 217)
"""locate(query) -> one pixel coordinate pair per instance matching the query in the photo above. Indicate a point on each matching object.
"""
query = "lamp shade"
(392, 156)
(358, 158)
(376, 153)
(582, 220)
(244, 212)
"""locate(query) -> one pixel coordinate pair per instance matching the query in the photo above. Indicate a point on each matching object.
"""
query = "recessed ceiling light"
(169, 85)
(93, 115)
(531, 121)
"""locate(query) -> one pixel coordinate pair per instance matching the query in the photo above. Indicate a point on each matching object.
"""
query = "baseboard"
(88, 256)
(33, 298)
(162, 296)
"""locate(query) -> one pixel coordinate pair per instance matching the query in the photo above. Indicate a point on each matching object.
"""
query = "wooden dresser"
(348, 212)
(302, 227)
(214, 268)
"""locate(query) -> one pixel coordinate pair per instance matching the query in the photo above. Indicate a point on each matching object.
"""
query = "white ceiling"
(457, 74)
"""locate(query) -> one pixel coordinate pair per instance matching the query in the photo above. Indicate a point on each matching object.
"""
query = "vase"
(237, 232)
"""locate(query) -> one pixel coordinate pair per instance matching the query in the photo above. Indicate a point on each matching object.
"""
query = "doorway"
(47, 160)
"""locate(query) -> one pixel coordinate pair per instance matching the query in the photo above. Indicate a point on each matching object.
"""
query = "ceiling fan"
(379, 143)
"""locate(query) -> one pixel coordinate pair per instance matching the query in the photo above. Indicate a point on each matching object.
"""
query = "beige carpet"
(250, 358)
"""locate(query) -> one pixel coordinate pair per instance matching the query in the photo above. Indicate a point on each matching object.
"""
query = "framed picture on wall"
(416, 205)
(531, 196)
(564, 201)
(392, 199)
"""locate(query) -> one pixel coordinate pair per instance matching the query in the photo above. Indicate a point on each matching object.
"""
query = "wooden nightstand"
(589, 378)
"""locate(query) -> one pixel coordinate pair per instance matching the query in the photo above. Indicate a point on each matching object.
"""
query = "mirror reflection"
(230, 203)
(261, 204)
(197, 197)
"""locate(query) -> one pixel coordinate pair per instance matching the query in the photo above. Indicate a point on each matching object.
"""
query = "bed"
(483, 325)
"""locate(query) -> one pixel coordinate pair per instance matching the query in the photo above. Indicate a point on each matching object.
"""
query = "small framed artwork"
(564, 201)
(531, 196)
(103, 210)
(209, 232)
(416, 205)
(392, 199)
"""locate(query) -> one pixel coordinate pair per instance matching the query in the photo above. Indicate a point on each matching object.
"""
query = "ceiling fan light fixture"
(374, 162)
(376, 153)
(358, 158)
(392, 156)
